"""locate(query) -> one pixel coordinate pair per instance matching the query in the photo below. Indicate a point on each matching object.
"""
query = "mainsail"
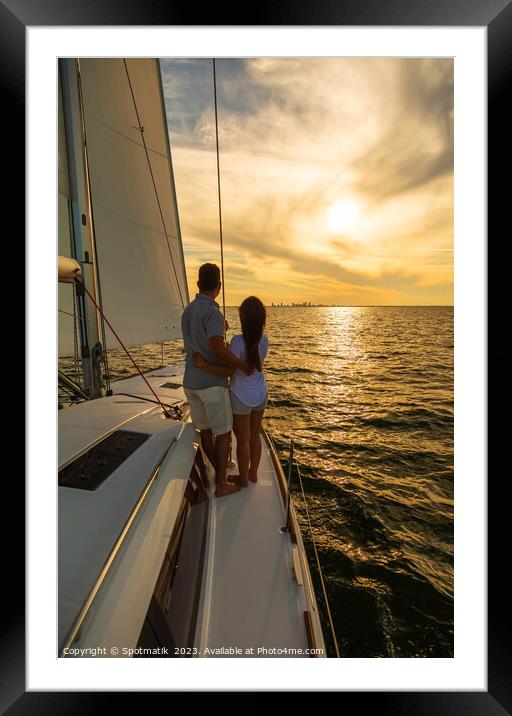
(135, 219)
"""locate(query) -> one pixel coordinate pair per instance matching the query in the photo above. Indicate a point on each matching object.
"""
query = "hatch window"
(92, 468)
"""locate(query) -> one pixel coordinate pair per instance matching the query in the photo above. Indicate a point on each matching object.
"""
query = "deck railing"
(286, 526)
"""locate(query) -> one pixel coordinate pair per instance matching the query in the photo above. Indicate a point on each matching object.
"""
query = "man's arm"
(225, 357)
(222, 370)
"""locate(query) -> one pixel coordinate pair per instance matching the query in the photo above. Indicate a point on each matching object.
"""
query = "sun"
(342, 216)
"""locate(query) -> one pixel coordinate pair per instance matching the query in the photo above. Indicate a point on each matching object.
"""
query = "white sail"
(138, 241)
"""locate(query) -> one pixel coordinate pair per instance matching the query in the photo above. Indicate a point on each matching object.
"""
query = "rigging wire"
(167, 415)
(219, 193)
(73, 315)
(317, 558)
(174, 407)
(327, 606)
(331, 623)
(230, 459)
(141, 130)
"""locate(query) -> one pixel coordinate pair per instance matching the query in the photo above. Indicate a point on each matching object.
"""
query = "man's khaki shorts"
(211, 408)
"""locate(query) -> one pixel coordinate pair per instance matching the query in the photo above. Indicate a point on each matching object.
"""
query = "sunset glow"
(336, 174)
(342, 216)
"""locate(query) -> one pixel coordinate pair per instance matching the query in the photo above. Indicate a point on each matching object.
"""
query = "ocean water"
(366, 393)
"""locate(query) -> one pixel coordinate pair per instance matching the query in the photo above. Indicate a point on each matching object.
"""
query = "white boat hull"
(247, 591)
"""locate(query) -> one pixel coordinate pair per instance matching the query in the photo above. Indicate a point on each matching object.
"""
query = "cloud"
(297, 136)
(416, 145)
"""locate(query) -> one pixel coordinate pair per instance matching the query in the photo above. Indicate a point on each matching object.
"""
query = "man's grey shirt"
(201, 320)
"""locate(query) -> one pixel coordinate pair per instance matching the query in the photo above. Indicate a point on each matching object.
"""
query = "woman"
(249, 393)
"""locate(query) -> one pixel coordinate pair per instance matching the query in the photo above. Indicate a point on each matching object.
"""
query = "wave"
(369, 403)
(291, 370)
(416, 418)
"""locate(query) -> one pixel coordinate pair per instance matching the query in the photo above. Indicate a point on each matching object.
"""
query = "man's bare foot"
(238, 480)
(226, 488)
(253, 478)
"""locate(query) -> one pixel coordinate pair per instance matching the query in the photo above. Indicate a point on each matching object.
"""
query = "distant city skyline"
(337, 177)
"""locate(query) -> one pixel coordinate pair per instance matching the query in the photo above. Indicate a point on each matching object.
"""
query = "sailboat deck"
(256, 594)
(125, 502)
(90, 522)
(252, 600)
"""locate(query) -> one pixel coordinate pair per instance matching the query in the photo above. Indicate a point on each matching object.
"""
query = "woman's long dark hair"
(253, 316)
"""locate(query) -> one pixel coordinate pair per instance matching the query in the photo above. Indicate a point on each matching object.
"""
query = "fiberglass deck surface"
(91, 521)
(254, 600)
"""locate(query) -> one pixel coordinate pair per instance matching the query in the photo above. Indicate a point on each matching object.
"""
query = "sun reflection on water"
(367, 395)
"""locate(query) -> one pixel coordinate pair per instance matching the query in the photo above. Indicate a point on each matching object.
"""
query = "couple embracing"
(216, 405)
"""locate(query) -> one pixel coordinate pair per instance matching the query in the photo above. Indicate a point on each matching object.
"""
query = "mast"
(82, 227)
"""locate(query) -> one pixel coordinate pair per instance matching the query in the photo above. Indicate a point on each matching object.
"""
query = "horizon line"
(357, 305)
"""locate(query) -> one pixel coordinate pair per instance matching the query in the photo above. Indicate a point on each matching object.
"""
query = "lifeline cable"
(331, 622)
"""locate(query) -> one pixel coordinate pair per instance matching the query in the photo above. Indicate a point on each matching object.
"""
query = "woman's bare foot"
(253, 478)
(226, 488)
(238, 480)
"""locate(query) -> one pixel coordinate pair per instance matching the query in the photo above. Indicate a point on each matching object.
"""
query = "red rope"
(124, 348)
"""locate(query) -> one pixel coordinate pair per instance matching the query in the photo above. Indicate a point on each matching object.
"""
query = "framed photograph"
(269, 321)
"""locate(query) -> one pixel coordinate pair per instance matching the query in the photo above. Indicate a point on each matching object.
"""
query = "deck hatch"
(92, 468)
(173, 386)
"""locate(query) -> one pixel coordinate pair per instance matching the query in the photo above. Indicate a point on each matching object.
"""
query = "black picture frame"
(496, 15)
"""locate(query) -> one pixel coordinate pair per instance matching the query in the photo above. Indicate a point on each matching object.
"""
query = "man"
(202, 325)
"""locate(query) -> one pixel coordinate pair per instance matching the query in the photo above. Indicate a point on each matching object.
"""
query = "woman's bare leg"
(255, 444)
(242, 430)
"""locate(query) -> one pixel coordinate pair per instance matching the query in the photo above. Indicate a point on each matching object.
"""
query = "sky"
(336, 177)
